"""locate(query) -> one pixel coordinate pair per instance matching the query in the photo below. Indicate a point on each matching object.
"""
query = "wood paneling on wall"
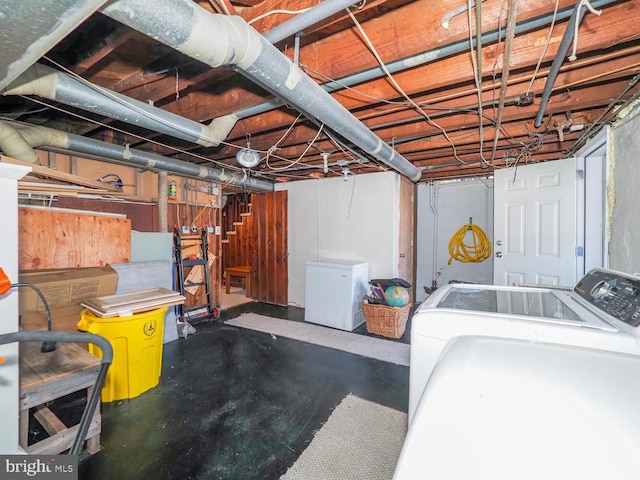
(55, 239)
(260, 241)
(270, 247)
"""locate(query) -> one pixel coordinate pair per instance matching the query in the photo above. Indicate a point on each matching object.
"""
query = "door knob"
(499, 254)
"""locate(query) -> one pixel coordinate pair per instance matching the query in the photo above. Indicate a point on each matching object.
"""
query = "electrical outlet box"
(209, 229)
(217, 229)
(186, 230)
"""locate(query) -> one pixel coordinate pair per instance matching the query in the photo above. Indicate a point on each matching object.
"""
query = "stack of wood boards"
(127, 304)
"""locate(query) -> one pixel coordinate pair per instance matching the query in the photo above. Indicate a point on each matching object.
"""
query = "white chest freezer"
(334, 291)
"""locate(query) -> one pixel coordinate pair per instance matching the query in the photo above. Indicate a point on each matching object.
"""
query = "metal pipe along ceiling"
(18, 140)
(306, 19)
(46, 82)
(187, 27)
(422, 58)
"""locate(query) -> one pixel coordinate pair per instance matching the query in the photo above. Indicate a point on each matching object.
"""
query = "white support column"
(9, 374)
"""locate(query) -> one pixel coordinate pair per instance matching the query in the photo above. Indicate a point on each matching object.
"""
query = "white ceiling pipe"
(188, 28)
(45, 82)
(13, 145)
(48, 138)
(310, 17)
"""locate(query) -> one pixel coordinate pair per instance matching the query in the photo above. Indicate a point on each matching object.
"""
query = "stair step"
(231, 232)
(245, 214)
(238, 223)
(224, 241)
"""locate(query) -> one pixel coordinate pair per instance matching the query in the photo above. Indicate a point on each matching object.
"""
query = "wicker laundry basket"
(386, 321)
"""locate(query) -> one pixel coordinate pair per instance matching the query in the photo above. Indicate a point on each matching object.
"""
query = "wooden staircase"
(237, 226)
(235, 244)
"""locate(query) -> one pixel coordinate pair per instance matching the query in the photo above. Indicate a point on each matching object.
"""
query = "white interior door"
(535, 224)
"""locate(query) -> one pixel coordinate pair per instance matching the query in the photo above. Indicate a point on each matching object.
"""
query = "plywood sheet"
(126, 304)
(54, 238)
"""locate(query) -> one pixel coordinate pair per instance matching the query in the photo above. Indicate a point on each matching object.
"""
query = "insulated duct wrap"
(46, 82)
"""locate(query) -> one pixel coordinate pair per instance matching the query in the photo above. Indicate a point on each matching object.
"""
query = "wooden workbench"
(45, 377)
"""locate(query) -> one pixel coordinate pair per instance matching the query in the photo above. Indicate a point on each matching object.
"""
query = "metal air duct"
(46, 82)
(48, 138)
(187, 27)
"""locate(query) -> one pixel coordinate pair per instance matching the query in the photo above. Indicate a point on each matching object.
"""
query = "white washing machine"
(505, 409)
(602, 312)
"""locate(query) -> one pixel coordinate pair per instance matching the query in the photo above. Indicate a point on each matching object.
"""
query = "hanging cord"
(506, 59)
(47, 346)
(476, 253)
(399, 89)
(544, 50)
(584, 3)
(476, 62)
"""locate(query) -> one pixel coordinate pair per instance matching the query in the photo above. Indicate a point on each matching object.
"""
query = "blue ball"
(397, 296)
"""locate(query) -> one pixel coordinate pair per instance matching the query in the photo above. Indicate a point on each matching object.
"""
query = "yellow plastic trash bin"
(137, 351)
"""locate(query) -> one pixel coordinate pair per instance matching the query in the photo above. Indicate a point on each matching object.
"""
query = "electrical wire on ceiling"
(596, 126)
(220, 6)
(476, 62)
(544, 50)
(583, 3)
(398, 88)
(275, 12)
(299, 158)
(508, 47)
(403, 103)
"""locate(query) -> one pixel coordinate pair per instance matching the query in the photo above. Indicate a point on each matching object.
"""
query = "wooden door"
(406, 231)
(270, 247)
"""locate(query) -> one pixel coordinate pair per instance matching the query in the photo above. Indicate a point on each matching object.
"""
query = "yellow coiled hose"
(478, 252)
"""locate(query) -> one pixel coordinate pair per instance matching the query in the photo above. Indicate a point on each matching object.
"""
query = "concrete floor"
(236, 404)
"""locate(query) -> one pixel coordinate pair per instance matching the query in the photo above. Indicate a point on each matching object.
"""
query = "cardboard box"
(64, 289)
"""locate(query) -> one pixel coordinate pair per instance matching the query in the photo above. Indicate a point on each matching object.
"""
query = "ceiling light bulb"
(248, 158)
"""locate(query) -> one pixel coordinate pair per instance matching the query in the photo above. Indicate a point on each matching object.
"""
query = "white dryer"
(602, 312)
(505, 409)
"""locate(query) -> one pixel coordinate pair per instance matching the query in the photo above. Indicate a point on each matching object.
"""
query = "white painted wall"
(355, 219)
(624, 247)
(454, 202)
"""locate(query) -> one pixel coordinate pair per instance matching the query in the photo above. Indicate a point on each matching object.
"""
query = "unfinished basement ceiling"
(429, 104)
